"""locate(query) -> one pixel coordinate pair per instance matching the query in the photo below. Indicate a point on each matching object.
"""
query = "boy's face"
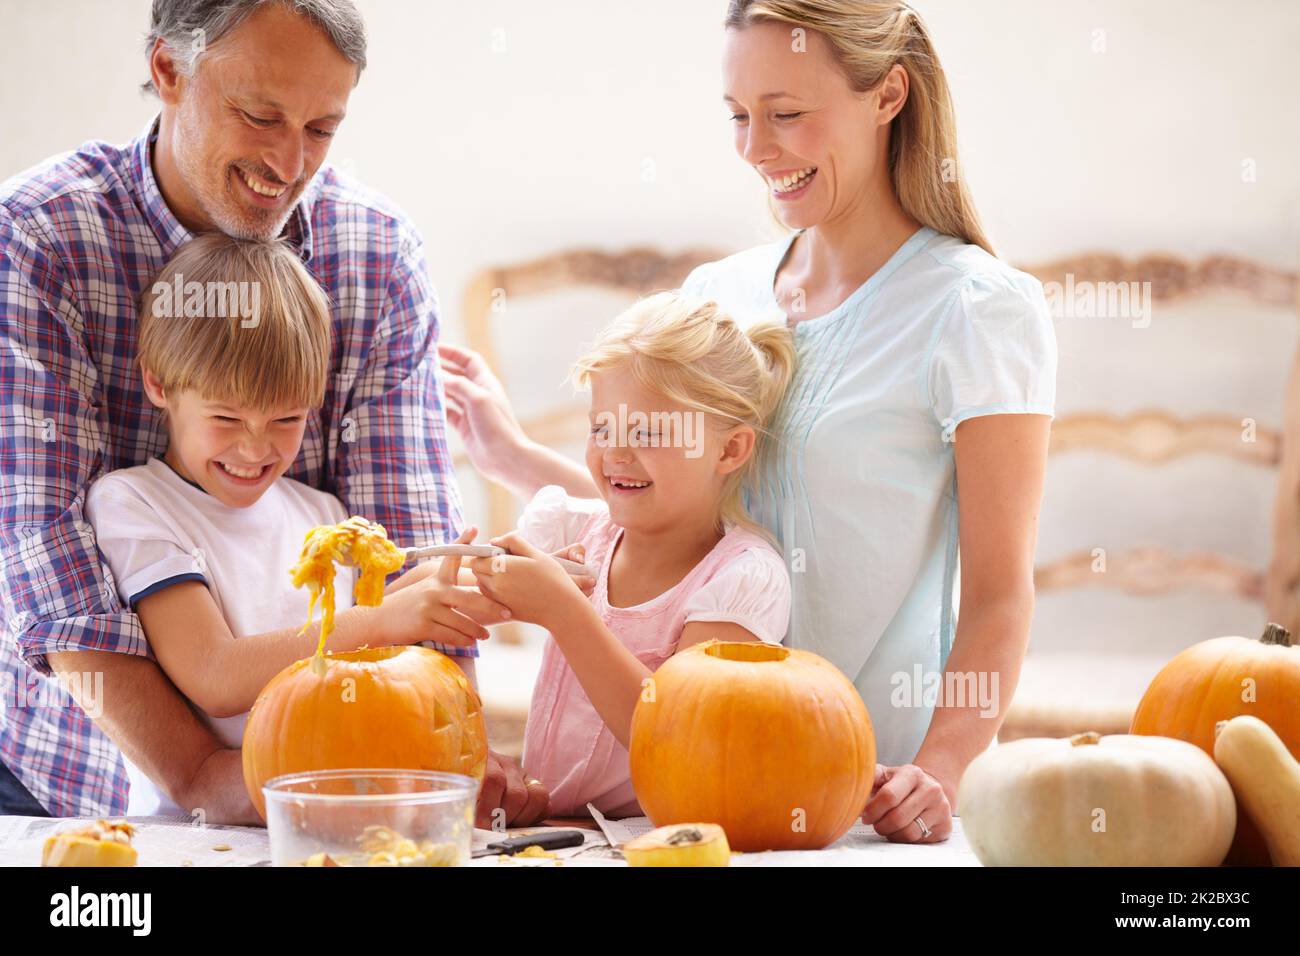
(232, 453)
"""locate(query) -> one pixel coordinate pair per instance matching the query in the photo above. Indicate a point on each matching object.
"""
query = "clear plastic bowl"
(370, 818)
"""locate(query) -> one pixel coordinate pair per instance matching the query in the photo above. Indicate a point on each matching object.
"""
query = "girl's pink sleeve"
(752, 591)
(552, 520)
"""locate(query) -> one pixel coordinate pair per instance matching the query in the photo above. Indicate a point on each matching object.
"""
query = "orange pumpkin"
(773, 744)
(1220, 679)
(408, 708)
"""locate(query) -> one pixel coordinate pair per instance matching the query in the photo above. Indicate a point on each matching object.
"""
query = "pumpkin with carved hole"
(772, 744)
(405, 708)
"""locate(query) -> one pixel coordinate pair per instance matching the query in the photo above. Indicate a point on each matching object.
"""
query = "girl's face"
(658, 464)
(819, 146)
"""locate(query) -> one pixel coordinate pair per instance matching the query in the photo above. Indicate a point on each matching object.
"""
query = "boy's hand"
(532, 584)
(434, 608)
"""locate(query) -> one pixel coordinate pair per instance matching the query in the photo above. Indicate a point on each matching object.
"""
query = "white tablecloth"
(163, 841)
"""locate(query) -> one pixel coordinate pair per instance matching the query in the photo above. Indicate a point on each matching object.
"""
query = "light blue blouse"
(858, 483)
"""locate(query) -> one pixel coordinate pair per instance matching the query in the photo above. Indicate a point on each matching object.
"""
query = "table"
(168, 841)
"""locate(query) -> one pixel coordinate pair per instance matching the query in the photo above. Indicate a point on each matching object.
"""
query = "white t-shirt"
(156, 529)
(860, 486)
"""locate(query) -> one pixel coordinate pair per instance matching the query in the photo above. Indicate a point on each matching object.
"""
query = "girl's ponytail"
(774, 342)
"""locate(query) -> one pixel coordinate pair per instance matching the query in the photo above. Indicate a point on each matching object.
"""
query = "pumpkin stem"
(1276, 634)
(1089, 737)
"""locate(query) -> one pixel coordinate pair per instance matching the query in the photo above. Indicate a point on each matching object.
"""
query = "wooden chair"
(1156, 438)
(1151, 437)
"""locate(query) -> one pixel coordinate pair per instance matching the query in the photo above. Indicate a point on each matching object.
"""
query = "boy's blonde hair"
(691, 352)
(237, 320)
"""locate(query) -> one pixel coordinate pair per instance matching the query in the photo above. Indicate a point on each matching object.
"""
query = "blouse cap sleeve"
(996, 353)
(553, 519)
(753, 591)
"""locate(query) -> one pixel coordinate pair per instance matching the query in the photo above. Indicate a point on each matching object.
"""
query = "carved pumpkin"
(407, 708)
(772, 744)
(1088, 800)
(1220, 679)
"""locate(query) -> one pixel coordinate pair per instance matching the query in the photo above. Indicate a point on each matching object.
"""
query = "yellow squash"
(1266, 779)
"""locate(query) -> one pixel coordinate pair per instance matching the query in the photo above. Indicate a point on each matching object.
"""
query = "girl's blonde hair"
(692, 353)
(869, 37)
(237, 320)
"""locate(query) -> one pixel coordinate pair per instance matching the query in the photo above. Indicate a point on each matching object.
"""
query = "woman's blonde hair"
(692, 353)
(237, 320)
(868, 38)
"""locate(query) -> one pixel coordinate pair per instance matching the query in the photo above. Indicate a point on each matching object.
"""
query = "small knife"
(547, 840)
(484, 551)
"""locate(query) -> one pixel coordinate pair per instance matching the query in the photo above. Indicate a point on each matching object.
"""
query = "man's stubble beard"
(212, 190)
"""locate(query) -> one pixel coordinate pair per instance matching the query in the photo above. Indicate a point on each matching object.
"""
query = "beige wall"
(504, 154)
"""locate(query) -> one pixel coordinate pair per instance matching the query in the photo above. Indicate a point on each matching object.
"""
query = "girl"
(680, 397)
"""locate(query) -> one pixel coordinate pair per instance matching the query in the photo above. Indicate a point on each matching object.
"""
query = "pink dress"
(567, 746)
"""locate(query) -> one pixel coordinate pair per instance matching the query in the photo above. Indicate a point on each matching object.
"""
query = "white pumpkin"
(1088, 800)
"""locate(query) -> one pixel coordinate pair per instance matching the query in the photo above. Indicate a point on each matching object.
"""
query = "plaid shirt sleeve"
(393, 464)
(55, 593)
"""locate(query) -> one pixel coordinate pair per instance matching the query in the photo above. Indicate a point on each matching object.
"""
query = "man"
(252, 92)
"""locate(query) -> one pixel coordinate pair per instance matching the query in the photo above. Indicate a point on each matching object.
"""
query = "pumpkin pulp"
(357, 542)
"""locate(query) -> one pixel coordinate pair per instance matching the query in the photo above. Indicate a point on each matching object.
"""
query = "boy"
(234, 340)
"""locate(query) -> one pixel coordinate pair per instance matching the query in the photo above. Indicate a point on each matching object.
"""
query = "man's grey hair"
(189, 27)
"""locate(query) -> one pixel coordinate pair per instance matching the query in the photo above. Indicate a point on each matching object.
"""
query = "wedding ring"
(925, 831)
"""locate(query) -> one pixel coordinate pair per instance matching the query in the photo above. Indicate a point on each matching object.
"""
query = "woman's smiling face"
(815, 141)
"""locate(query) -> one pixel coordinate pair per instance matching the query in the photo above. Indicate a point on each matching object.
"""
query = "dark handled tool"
(547, 840)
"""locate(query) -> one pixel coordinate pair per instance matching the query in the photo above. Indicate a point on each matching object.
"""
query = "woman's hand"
(477, 407)
(901, 795)
(532, 584)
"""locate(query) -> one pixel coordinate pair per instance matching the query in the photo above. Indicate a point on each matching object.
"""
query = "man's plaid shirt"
(80, 237)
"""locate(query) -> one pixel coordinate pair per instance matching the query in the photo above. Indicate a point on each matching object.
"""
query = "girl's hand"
(532, 584)
(477, 407)
(432, 607)
(575, 552)
(901, 795)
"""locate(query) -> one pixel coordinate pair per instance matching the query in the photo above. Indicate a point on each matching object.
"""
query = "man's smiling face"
(243, 136)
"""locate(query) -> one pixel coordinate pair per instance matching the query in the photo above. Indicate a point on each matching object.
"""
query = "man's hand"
(507, 799)
(158, 730)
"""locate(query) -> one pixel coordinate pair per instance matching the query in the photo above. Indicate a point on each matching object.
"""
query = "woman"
(918, 420)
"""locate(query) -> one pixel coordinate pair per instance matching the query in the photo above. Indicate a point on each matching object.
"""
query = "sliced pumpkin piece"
(102, 843)
(680, 844)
